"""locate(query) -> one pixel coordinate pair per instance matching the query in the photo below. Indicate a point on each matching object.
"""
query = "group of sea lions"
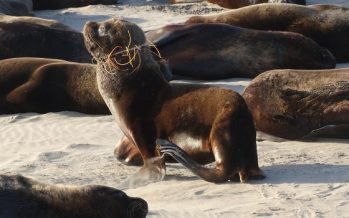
(193, 124)
(44, 85)
(328, 25)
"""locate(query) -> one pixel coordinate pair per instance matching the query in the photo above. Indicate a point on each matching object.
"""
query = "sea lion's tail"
(215, 175)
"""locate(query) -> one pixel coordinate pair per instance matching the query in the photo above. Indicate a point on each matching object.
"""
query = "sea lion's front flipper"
(340, 131)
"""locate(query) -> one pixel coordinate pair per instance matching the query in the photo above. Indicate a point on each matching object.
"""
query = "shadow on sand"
(288, 173)
(306, 173)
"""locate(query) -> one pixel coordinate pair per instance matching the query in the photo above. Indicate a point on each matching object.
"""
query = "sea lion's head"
(116, 202)
(121, 46)
(113, 38)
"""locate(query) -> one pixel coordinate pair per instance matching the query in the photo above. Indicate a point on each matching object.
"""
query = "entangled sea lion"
(205, 121)
(294, 104)
(328, 25)
(24, 197)
(48, 85)
(216, 51)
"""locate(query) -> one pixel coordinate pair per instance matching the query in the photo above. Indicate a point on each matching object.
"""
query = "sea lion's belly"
(187, 141)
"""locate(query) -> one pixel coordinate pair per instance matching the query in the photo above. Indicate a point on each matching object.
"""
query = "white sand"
(304, 179)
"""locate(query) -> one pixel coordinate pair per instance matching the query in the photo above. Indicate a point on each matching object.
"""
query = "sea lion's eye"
(101, 30)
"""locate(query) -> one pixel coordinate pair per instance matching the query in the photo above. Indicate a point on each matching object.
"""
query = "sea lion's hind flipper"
(215, 175)
(340, 131)
(178, 154)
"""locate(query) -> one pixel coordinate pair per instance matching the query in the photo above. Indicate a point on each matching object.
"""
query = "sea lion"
(35, 37)
(24, 197)
(58, 4)
(48, 85)
(216, 51)
(34, 20)
(211, 122)
(240, 3)
(328, 25)
(15, 7)
(294, 104)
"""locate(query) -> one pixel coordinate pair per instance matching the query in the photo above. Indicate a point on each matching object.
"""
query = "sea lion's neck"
(115, 82)
(132, 94)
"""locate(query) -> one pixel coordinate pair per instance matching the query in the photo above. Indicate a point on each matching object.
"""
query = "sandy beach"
(304, 179)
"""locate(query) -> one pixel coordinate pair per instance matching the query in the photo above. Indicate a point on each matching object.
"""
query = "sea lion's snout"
(137, 208)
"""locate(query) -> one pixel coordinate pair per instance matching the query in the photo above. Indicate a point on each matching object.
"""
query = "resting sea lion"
(328, 25)
(216, 51)
(7, 19)
(240, 3)
(48, 85)
(58, 4)
(35, 37)
(15, 7)
(206, 121)
(24, 197)
(293, 104)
